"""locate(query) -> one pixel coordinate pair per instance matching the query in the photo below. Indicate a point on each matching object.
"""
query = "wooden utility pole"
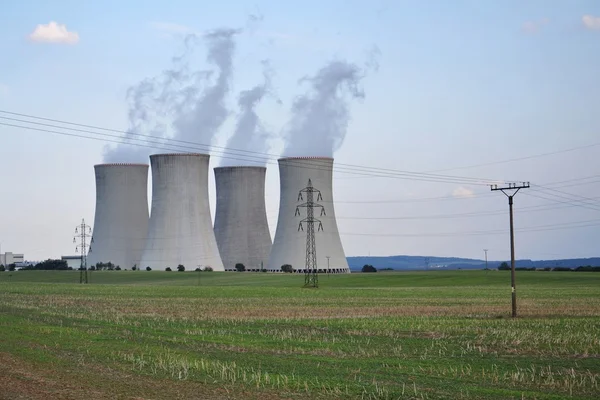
(515, 189)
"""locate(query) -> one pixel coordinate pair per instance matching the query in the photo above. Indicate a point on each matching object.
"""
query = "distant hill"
(411, 263)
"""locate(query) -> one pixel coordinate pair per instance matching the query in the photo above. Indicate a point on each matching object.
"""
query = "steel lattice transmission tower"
(82, 233)
(311, 278)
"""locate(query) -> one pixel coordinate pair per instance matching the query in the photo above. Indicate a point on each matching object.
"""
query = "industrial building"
(72, 261)
(241, 226)
(180, 230)
(289, 244)
(121, 217)
(9, 258)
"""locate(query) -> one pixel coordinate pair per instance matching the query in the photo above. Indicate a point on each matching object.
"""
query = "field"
(423, 335)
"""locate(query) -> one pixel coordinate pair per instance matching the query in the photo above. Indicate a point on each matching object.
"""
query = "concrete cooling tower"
(180, 229)
(289, 245)
(121, 220)
(241, 226)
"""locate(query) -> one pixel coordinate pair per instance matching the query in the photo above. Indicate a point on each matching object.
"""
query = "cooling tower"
(289, 245)
(241, 226)
(121, 220)
(180, 229)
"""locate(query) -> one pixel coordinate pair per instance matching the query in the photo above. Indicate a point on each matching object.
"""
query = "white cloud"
(53, 33)
(170, 28)
(463, 192)
(591, 22)
(532, 27)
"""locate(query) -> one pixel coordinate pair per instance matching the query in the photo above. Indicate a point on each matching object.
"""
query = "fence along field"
(240, 335)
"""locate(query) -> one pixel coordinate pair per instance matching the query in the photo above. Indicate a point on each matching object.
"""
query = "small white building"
(72, 261)
(11, 258)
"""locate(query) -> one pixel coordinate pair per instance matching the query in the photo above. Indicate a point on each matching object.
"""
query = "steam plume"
(180, 103)
(200, 121)
(320, 117)
(250, 135)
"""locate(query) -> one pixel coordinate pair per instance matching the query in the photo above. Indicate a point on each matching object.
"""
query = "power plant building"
(241, 226)
(289, 244)
(180, 230)
(121, 217)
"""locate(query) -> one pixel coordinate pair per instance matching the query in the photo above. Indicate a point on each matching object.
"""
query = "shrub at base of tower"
(148, 269)
(287, 268)
(109, 266)
(208, 269)
(180, 268)
(168, 269)
(368, 268)
(239, 267)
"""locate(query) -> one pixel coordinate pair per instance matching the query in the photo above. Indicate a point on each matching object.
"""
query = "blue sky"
(459, 83)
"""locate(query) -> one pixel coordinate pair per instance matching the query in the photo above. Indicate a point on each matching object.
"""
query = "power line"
(575, 203)
(474, 196)
(518, 158)
(249, 156)
(540, 228)
(575, 196)
(298, 164)
(462, 215)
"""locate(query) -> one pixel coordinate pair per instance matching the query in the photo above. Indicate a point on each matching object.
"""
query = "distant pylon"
(311, 278)
(83, 232)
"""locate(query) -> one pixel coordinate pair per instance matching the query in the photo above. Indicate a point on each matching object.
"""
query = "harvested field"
(150, 335)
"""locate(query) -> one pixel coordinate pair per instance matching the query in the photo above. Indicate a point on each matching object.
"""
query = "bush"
(109, 266)
(240, 267)
(198, 269)
(49, 265)
(561, 269)
(148, 269)
(180, 268)
(287, 268)
(168, 269)
(208, 269)
(587, 268)
(134, 268)
(368, 268)
(117, 268)
(2, 269)
(504, 267)
(11, 267)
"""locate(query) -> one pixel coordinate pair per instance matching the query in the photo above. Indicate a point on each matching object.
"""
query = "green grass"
(443, 334)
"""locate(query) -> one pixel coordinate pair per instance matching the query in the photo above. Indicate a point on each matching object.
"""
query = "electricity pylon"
(311, 277)
(83, 232)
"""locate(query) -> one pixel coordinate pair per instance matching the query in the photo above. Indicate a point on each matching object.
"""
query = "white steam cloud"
(320, 117)
(189, 104)
(248, 143)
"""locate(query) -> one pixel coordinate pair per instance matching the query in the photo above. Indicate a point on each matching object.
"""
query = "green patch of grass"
(394, 335)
